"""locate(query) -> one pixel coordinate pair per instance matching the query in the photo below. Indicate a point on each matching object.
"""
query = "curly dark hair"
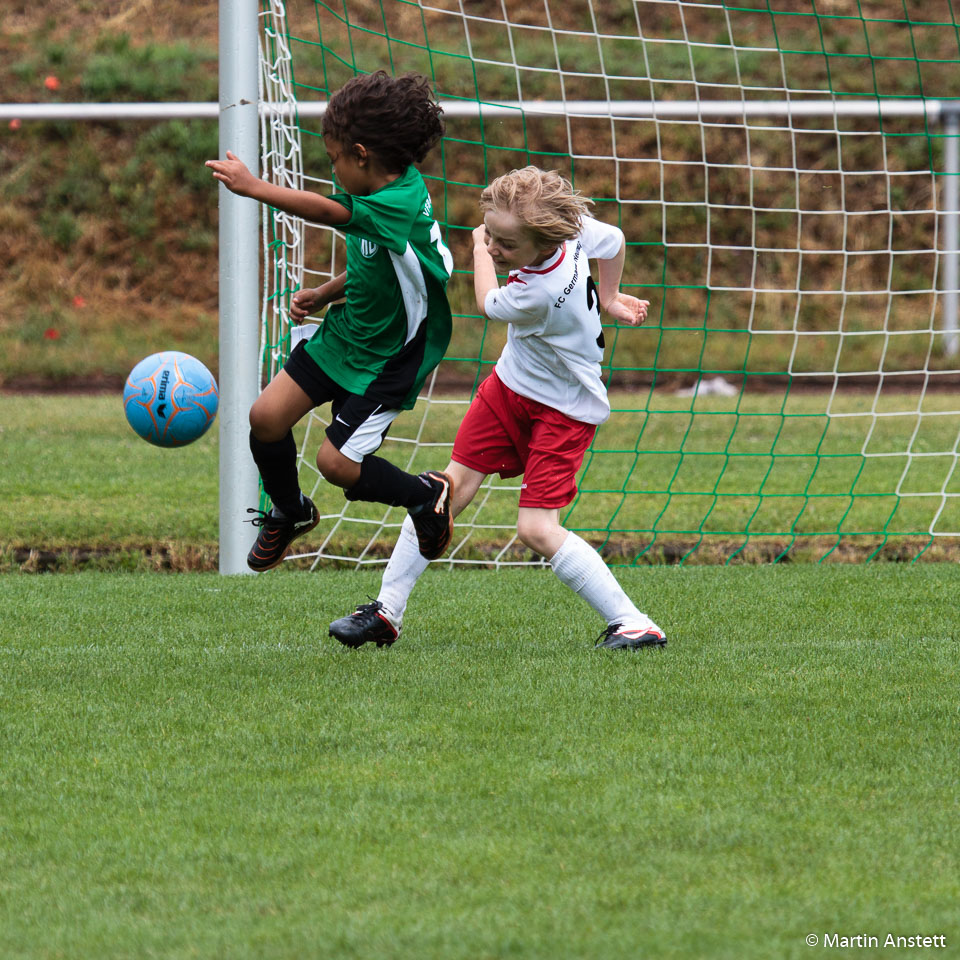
(396, 118)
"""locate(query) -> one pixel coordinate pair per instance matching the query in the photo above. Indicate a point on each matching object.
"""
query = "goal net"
(779, 170)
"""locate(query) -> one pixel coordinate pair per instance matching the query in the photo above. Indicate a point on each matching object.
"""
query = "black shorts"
(358, 424)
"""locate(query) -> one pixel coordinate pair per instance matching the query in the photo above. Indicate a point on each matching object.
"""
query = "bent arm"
(484, 271)
(485, 282)
(620, 306)
(609, 273)
(335, 288)
(310, 299)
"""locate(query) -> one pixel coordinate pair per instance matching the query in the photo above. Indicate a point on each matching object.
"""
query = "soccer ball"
(170, 399)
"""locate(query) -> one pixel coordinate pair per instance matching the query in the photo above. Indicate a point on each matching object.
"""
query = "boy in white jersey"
(537, 413)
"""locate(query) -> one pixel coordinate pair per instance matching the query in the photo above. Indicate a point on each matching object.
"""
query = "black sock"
(382, 482)
(277, 463)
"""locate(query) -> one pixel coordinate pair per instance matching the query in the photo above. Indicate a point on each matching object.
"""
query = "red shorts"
(508, 434)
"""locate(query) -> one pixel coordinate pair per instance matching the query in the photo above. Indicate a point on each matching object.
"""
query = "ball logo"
(368, 248)
(170, 398)
(162, 393)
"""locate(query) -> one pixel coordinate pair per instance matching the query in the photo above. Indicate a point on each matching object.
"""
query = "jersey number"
(445, 255)
(593, 303)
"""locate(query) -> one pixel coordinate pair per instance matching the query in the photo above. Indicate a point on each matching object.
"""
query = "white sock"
(401, 574)
(582, 569)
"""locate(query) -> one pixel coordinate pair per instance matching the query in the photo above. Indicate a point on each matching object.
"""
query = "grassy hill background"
(108, 231)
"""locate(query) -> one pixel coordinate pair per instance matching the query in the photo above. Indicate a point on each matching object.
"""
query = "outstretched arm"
(621, 306)
(235, 176)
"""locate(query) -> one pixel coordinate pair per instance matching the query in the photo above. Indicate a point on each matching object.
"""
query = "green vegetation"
(107, 227)
(757, 477)
(122, 71)
(85, 482)
(113, 226)
(193, 768)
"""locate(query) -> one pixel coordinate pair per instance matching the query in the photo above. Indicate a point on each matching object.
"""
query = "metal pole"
(239, 279)
(666, 110)
(951, 226)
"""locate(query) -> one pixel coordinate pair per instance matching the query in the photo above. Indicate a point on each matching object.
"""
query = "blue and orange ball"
(170, 399)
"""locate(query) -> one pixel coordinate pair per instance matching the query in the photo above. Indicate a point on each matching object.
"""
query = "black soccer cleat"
(276, 535)
(434, 520)
(618, 637)
(365, 625)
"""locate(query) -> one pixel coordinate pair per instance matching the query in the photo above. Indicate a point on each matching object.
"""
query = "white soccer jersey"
(554, 340)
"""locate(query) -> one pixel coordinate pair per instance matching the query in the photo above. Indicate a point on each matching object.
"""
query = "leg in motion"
(426, 496)
(347, 459)
(282, 404)
(582, 569)
(373, 622)
(556, 450)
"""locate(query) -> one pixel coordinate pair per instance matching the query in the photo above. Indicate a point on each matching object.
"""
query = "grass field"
(716, 478)
(191, 768)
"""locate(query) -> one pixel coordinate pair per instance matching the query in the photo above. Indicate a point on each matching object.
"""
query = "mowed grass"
(76, 475)
(714, 475)
(192, 768)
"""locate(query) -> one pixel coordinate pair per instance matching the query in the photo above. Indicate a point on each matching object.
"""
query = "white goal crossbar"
(933, 110)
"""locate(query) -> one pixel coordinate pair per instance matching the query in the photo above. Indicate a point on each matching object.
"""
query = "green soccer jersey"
(394, 325)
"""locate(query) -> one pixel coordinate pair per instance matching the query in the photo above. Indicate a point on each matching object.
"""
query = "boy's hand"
(311, 299)
(480, 240)
(305, 302)
(484, 271)
(233, 174)
(629, 310)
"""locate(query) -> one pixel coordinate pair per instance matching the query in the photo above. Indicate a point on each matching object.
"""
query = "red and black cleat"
(276, 535)
(434, 520)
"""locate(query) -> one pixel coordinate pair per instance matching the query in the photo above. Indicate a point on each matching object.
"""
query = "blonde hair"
(543, 201)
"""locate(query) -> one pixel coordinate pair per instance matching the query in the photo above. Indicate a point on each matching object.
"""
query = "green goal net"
(785, 174)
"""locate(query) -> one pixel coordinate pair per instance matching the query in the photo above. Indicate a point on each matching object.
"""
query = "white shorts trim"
(368, 436)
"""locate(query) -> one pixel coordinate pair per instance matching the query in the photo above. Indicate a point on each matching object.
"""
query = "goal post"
(786, 177)
(239, 131)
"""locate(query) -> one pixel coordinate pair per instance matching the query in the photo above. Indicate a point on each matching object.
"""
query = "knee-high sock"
(277, 463)
(401, 574)
(381, 482)
(582, 569)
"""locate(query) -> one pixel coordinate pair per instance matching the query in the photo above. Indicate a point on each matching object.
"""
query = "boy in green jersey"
(391, 326)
